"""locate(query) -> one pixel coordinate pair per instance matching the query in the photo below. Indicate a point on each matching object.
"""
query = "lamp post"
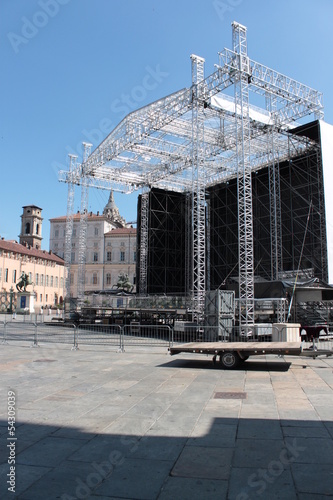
(11, 294)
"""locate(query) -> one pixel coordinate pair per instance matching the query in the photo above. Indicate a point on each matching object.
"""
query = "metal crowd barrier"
(154, 335)
(98, 334)
(119, 336)
(36, 333)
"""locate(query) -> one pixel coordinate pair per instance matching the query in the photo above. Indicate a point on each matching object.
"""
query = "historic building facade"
(44, 269)
(110, 248)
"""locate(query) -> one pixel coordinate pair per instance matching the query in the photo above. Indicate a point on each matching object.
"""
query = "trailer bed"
(231, 354)
(246, 348)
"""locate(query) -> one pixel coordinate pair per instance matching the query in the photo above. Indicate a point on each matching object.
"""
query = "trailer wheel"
(229, 360)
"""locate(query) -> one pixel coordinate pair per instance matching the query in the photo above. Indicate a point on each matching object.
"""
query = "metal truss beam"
(69, 226)
(144, 242)
(198, 190)
(244, 181)
(83, 227)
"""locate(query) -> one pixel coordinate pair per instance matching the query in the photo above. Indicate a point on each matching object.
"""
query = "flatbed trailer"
(231, 354)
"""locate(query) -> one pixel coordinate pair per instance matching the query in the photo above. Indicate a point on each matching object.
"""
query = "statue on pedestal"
(21, 286)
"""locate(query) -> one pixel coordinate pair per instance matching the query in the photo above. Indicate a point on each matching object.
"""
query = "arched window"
(37, 228)
(27, 228)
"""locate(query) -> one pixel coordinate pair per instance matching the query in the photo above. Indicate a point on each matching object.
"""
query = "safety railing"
(98, 334)
(120, 337)
(222, 333)
(155, 335)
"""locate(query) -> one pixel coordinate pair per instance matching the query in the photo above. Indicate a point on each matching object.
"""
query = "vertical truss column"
(69, 226)
(274, 197)
(83, 227)
(244, 181)
(144, 242)
(188, 251)
(198, 189)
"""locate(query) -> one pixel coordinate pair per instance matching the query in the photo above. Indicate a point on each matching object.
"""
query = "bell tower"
(31, 226)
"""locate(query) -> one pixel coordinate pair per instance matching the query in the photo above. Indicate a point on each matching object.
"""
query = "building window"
(37, 228)
(14, 276)
(37, 279)
(96, 231)
(73, 257)
(27, 228)
(74, 232)
(6, 275)
(95, 257)
(51, 284)
(134, 280)
(41, 298)
(122, 256)
(30, 277)
(47, 280)
(134, 256)
(46, 298)
(94, 279)
(56, 281)
(42, 279)
(108, 279)
(61, 282)
(109, 256)
(56, 233)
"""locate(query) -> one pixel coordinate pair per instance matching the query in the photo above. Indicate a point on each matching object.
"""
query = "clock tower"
(31, 226)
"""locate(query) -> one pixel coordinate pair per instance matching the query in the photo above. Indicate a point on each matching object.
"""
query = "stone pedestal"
(25, 302)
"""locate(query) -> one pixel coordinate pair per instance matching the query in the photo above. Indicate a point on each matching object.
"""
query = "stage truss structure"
(224, 126)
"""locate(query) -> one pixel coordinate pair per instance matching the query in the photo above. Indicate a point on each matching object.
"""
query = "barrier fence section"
(36, 333)
(119, 336)
(98, 334)
(221, 333)
(154, 335)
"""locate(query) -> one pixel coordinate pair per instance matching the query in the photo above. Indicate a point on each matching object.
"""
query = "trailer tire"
(229, 360)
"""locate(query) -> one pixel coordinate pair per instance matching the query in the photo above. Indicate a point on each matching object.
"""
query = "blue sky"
(72, 68)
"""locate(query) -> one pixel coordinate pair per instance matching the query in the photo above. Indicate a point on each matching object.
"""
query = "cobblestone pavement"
(100, 424)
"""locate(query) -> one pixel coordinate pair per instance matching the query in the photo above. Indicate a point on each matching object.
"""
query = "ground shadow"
(249, 365)
(223, 458)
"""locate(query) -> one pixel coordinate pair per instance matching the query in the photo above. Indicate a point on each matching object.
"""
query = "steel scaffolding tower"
(143, 250)
(69, 224)
(198, 189)
(218, 130)
(242, 75)
(83, 227)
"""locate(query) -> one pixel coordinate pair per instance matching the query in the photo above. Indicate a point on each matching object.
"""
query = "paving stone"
(136, 479)
(311, 450)
(203, 462)
(267, 483)
(306, 432)
(25, 476)
(313, 478)
(68, 480)
(49, 451)
(258, 452)
(262, 429)
(180, 488)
